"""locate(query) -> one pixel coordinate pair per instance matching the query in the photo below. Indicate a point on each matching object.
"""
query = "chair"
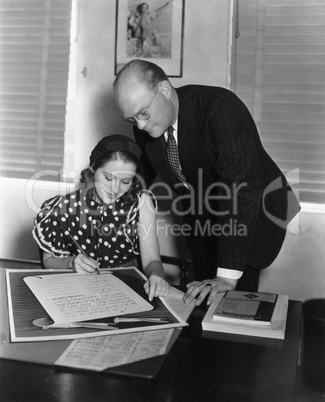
(183, 265)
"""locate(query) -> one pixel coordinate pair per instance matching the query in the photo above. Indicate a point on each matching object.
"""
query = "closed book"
(252, 307)
(275, 329)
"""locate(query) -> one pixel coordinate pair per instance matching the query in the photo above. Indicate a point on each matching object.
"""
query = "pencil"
(144, 319)
(80, 249)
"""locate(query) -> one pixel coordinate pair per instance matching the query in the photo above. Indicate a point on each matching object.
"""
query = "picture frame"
(151, 31)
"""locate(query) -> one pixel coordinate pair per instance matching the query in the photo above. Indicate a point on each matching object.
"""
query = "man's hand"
(200, 290)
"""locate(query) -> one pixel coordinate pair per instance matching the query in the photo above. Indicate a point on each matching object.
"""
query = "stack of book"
(248, 313)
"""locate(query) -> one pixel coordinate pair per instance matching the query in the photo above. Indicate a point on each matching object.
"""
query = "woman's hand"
(84, 265)
(207, 287)
(156, 286)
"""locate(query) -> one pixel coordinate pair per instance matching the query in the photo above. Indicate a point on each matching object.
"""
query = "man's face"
(151, 111)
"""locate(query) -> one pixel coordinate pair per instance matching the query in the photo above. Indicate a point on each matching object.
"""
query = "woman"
(146, 32)
(107, 222)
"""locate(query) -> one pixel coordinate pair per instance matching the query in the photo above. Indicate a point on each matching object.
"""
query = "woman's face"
(114, 179)
(144, 7)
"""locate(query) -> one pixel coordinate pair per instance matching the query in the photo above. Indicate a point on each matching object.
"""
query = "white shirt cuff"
(229, 273)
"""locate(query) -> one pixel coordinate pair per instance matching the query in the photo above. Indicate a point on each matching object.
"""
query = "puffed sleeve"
(50, 228)
(152, 197)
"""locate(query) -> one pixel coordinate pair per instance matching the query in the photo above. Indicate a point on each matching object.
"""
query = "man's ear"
(166, 89)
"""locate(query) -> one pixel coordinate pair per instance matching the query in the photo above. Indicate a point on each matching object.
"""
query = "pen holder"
(313, 343)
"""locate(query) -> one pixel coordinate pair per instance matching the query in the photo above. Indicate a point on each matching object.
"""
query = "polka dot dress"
(107, 233)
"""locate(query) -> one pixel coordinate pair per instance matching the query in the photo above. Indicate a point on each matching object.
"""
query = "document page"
(174, 300)
(101, 353)
(73, 297)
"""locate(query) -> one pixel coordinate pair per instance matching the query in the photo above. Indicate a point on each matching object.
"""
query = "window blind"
(34, 63)
(278, 70)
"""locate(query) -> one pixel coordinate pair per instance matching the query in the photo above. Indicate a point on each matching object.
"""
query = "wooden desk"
(198, 368)
(19, 264)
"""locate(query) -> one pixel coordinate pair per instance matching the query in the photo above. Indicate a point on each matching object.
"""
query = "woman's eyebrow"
(121, 178)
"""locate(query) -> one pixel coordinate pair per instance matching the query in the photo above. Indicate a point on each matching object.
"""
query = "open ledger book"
(274, 310)
(83, 348)
(56, 304)
(73, 298)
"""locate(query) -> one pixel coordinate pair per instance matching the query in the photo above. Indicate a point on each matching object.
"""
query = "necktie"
(172, 155)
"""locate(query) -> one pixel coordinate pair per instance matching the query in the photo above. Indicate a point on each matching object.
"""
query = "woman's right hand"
(83, 264)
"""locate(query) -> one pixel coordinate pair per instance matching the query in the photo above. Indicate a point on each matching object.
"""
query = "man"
(235, 199)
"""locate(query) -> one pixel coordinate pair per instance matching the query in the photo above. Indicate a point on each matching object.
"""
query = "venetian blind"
(278, 70)
(34, 62)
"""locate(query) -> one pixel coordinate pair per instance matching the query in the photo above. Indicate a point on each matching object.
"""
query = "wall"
(19, 202)
(298, 271)
(205, 61)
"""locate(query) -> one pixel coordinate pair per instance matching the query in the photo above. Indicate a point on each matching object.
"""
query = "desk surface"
(200, 367)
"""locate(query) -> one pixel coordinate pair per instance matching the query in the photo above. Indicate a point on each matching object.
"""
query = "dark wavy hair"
(139, 7)
(87, 175)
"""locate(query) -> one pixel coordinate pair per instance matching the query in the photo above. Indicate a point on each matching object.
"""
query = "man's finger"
(205, 291)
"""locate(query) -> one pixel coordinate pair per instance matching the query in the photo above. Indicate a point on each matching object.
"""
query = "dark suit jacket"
(219, 145)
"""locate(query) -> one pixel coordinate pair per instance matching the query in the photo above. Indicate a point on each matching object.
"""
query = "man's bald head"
(138, 71)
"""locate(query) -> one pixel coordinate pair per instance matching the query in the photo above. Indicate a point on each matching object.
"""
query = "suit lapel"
(189, 143)
(192, 152)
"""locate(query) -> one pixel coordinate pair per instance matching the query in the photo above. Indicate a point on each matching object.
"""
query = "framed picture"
(151, 31)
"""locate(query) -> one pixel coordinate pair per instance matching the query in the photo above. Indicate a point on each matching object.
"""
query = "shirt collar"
(175, 127)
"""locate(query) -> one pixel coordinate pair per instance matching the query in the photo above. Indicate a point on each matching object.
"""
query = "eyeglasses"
(143, 114)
